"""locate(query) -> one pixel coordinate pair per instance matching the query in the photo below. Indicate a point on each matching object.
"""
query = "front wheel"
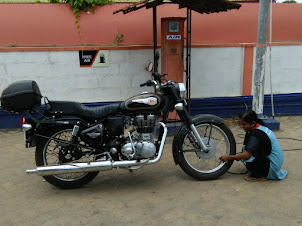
(205, 165)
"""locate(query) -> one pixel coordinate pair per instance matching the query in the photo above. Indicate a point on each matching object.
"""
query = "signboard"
(173, 26)
(94, 58)
(173, 37)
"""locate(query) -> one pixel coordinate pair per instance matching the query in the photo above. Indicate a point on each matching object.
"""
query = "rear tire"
(47, 154)
(201, 165)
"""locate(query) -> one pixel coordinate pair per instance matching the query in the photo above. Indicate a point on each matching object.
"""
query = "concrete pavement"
(159, 194)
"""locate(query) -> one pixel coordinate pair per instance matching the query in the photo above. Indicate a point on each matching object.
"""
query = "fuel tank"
(143, 103)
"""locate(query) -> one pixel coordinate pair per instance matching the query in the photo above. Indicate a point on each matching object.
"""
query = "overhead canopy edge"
(200, 6)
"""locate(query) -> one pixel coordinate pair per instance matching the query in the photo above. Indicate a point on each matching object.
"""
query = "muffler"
(97, 166)
(81, 167)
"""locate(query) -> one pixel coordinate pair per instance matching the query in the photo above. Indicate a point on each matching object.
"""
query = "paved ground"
(159, 194)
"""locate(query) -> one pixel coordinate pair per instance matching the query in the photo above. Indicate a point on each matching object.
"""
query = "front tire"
(48, 153)
(201, 165)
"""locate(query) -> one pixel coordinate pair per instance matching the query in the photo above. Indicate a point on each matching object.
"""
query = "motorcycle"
(74, 142)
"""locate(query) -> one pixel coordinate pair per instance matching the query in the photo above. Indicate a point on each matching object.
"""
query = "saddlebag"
(21, 96)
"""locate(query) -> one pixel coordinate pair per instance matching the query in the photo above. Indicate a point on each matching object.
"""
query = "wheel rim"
(51, 155)
(219, 145)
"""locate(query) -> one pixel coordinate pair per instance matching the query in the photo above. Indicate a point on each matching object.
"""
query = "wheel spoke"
(52, 150)
(219, 145)
(189, 150)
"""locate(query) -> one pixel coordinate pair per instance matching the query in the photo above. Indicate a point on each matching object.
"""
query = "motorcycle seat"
(78, 109)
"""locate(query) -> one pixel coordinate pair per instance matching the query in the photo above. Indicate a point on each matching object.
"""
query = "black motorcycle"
(74, 142)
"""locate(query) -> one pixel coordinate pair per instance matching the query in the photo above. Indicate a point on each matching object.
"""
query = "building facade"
(41, 42)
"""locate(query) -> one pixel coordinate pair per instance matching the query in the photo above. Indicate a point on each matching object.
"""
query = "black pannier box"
(21, 96)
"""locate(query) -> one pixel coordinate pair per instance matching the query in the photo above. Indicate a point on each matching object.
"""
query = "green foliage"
(78, 5)
(118, 38)
(289, 1)
(86, 5)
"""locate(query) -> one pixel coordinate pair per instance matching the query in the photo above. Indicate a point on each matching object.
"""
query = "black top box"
(21, 96)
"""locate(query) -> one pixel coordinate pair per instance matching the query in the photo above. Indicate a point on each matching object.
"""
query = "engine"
(141, 145)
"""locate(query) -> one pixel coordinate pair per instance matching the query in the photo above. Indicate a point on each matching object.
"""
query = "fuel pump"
(172, 47)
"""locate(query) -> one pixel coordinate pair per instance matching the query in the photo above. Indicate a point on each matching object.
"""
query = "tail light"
(25, 126)
(21, 121)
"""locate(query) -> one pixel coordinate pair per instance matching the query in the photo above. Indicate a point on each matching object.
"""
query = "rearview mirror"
(150, 67)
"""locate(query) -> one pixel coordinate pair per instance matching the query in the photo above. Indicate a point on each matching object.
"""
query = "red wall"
(53, 25)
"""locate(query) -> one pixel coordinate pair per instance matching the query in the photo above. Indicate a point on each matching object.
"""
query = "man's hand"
(224, 158)
(237, 157)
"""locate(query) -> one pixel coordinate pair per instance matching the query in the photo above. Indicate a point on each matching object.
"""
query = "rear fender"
(40, 127)
(178, 138)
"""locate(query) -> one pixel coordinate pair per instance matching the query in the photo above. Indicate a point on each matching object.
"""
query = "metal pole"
(270, 56)
(154, 38)
(258, 97)
(188, 58)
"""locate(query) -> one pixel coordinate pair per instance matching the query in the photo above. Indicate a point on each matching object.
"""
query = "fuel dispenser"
(172, 51)
(172, 47)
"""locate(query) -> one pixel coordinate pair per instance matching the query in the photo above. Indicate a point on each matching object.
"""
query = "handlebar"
(147, 83)
(157, 79)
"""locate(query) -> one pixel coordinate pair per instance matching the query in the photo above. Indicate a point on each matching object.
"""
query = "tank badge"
(150, 101)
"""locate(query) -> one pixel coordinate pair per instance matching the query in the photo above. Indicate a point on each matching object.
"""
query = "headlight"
(181, 90)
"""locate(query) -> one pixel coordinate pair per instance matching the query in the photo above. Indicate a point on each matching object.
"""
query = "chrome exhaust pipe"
(96, 166)
(82, 167)
(74, 168)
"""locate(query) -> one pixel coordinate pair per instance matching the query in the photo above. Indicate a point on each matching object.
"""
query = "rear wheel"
(56, 151)
(206, 165)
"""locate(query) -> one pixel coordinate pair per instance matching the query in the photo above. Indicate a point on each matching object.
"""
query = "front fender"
(178, 138)
(207, 118)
